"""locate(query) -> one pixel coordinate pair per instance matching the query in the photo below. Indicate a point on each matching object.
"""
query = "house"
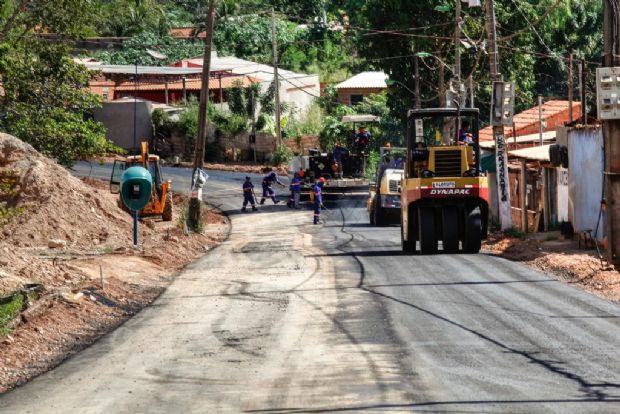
(298, 89)
(354, 89)
(554, 114)
(159, 84)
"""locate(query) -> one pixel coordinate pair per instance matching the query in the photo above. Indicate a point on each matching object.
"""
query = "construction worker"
(465, 135)
(337, 154)
(268, 191)
(295, 187)
(317, 190)
(362, 140)
(248, 194)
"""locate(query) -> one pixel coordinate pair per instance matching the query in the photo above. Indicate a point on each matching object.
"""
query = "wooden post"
(570, 87)
(611, 135)
(523, 195)
(166, 91)
(276, 78)
(194, 218)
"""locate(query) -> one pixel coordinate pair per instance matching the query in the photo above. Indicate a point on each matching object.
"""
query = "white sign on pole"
(503, 182)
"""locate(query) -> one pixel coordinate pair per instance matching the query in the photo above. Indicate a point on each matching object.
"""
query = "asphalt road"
(287, 317)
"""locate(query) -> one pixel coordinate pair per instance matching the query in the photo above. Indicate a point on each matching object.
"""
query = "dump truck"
(160, 203)
(444, 194)
(383, 203)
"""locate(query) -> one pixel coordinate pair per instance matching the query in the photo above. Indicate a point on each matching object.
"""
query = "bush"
(282, 155)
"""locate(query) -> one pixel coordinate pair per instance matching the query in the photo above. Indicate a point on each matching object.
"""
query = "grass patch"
(8, 312)
(515, 233)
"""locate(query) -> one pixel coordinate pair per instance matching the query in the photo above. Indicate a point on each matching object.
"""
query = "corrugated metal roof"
(540, 153)
(142, 70)
(246, 67)
(524, 139)
(364, 80)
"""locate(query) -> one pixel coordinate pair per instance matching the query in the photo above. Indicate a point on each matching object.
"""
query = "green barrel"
(136, 185)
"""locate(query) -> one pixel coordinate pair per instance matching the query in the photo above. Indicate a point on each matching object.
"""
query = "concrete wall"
(118, 120)
(585, 178)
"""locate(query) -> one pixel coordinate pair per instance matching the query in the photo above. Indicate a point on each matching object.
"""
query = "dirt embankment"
(564, 259)
(64, 234)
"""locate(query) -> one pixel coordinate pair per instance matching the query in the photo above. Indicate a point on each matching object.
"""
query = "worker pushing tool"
(317, 190)
(268, 191)
(248, 194)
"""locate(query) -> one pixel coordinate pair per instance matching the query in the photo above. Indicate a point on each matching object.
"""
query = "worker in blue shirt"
(337, 154)
(317, 189)
(248, 194)
(268, 191)
(295, 187)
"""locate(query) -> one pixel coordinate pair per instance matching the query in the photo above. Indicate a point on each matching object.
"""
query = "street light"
(392, 82)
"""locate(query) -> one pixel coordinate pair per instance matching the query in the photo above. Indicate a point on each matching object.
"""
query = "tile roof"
(526, 122)
(523, 139)
(364, 80)
(190, 84)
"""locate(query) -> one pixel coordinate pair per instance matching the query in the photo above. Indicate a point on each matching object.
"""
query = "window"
(106, 94)
(355, 99)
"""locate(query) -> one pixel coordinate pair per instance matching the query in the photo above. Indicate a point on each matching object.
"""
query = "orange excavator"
(161, 196)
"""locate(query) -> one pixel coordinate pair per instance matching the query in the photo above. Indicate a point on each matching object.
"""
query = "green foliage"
(136, 50)
(9, 193)
(46, 101)
(282, 155)
(8, 312)
(372, 163)
(311, 123)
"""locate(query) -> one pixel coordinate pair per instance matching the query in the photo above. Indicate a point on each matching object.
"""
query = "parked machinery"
(444, 195)
(160, 203)
(384, 194)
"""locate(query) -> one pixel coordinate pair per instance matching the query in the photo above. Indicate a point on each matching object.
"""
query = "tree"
(45, 99)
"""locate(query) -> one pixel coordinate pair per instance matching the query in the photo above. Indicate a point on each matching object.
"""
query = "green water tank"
(136, 186)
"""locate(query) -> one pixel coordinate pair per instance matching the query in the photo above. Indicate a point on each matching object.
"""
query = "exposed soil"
(563, 259)
(93, 237)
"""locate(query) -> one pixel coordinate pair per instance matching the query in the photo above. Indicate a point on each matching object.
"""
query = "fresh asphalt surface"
(286, 317)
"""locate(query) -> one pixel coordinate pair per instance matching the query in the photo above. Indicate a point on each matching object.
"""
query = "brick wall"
(307, 142)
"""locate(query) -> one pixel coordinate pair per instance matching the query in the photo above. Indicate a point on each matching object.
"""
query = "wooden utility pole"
(570, 87)
(501, 155)
(195, 202)
(611, 135)
(457, 47)
(276, 78)
(582, 82)
(418, 95)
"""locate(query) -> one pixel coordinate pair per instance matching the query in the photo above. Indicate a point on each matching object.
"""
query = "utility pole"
(582, 82)
(276, 78)
(418, 95)
(501, 156)
(611, 135)
(457, 47)
(195, 202)
(570, 87)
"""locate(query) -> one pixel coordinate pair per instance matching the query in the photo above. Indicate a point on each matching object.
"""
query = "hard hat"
(322, 180)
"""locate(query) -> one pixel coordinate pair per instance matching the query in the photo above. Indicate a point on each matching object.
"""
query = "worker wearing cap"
(317, 190)
(268, 181)
(248, 194)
